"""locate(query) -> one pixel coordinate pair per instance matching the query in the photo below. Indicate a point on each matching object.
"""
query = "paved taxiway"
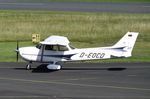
(76, 6)
(76, 81)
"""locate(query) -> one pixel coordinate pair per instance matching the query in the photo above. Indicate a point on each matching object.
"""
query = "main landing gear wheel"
(28, 67)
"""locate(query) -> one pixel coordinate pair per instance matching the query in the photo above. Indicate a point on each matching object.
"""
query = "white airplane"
(56, 49)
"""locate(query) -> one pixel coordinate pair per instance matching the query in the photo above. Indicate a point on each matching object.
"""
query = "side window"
(51, 47)
(62, 48)
(55, 48)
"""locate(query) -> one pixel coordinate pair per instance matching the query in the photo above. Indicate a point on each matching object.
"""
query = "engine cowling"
(54, 67)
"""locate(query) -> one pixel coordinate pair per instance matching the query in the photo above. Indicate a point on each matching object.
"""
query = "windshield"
(38, 46)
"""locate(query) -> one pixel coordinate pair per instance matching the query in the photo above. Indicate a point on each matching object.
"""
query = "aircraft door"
(53, 53)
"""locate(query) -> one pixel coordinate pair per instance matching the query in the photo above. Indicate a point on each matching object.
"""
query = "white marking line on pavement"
(75, 84)
(24, 97)
(146, 6)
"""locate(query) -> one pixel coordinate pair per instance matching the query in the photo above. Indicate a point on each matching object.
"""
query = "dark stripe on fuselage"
(61, 56)
(56, 56)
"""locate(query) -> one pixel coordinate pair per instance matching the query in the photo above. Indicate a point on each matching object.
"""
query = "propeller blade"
(17, 57)
(17, 51)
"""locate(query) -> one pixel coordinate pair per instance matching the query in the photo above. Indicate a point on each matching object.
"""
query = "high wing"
(56, 40)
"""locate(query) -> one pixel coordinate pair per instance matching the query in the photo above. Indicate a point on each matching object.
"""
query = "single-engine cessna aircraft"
(56, 49)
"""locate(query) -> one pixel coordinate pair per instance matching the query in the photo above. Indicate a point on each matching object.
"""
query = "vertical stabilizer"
(127, 43)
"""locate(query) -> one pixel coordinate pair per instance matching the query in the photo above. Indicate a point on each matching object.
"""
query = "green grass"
(82, 29)
(7, 50)
(84, 1)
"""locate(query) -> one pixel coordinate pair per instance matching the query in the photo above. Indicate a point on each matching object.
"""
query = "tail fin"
(127, 43)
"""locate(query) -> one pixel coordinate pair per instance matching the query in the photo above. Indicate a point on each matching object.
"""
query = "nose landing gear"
(28, 66)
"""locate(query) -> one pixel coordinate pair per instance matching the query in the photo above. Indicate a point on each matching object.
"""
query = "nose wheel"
(28, 66)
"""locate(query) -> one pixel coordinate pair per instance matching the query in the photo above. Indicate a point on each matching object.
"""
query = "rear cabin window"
(62, 48)
(56, 48)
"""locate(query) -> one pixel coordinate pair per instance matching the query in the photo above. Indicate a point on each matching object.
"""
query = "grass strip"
(119, 1)
(82, 29)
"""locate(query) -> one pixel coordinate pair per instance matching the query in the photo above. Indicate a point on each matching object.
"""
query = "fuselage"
(35, 54)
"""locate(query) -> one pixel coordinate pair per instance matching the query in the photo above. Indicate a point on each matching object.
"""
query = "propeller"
(17, 51)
